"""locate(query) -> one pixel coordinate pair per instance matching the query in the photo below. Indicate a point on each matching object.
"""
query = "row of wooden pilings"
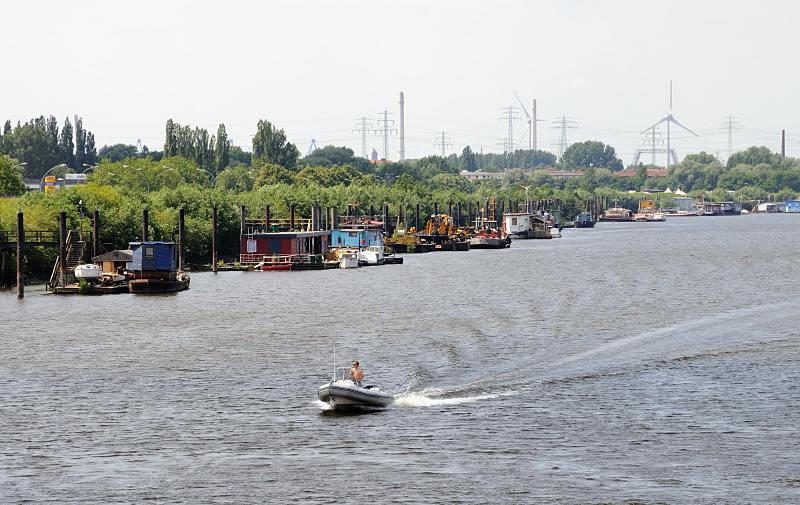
(328, 221)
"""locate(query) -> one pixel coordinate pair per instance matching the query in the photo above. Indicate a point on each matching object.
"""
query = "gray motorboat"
(343, 393)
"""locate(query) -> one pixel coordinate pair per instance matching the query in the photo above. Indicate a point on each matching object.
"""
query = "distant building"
(650, 172)
(481, 176)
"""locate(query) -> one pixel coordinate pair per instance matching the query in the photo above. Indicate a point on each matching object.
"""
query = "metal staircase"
(74, 257)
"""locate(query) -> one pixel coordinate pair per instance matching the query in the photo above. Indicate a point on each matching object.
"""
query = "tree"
(66, 148)
(268, 174)
(221, 150)
(527, 158)
(11, 183)
(32, 144)
(753, 156)
(467, 160)
(590, 153)
(117, 152)
(80, 144)
(91, 151)
(271, 146)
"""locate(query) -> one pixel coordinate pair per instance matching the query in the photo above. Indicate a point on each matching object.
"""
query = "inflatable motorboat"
(343, 393)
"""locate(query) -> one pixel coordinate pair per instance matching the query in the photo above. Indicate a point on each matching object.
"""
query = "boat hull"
(154, 286)
(345, 394)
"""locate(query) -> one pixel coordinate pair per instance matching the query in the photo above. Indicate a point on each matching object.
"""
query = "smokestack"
(402, 127)
(533, 126)
(783, 143)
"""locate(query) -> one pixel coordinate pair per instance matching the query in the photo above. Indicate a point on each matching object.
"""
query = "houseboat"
(792, 206)
(276, 245)
(584, 220)
(526, 225)
(648, 213)
(362, 236)
(616, 213)
(153, 267)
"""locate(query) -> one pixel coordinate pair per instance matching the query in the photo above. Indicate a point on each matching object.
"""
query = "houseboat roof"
(287, 234)
(149, 242)
(115, 255)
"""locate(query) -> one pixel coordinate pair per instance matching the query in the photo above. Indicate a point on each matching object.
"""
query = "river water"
(655, 362)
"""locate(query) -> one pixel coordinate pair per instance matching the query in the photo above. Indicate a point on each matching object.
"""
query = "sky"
(314, 67)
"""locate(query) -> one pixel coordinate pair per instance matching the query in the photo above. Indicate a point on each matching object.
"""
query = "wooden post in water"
(62, 248)
(242, 218)
(95, 232)
(314, 218)
(450, 209)
(497, 217)
(145, 224)
(181, 236)
(267, 218)
(371, 212)
(386, 218)
(214, 239)
(334, 218)
(458, 214)
(469, 212)
(416, 219)
(435, 208)
(20, 255)
(291, 217)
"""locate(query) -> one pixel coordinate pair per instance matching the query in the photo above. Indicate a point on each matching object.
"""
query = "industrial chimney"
(402, 128)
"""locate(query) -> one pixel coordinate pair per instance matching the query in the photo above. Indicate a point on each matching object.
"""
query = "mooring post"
(435, 208)
(267, 218)
(291, 217)
(469, 212)
(20, 253)
(95, 232)
(386, 218)
(314, 218)
(242, 217)
(214, 239)
(181, 236)
(371, 212)
(458, 214)
(145, 224)
(62, 248)
(416, 219)
(334, 218)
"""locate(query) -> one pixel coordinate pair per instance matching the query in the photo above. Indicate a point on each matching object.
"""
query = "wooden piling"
(435, 208)
(62, 248)
(458, 214)
(181, 237)
(469, 212)
(334, 218)
(291, 217)
(416, 219)
(242, 218)
(267, 218)
(20, 254)
(386, 218)
(145, 224)
(214, 239)
(450, 209)
(95, 232)
(371, 211)
(314, 218)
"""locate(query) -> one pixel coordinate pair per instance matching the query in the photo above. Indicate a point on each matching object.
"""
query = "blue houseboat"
(154, 268)
(363, 237)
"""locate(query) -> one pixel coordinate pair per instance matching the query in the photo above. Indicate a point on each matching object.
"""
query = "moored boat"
(584, 220)
(154, 268)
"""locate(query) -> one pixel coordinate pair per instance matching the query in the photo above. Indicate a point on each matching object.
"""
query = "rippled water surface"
(657, 362)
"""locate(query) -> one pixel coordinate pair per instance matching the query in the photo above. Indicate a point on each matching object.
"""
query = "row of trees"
(209, 153)
(41, 145)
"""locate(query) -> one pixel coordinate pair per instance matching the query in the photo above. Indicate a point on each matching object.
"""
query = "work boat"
(343, 393)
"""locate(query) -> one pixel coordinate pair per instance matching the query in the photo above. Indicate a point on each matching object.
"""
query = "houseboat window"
(149, 252)
(513, 221)
(251, 245)
(351, 234)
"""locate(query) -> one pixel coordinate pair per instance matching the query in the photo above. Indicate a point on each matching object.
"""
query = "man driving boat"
(356, 373)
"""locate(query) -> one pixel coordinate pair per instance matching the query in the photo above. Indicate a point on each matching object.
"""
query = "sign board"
(50, 178)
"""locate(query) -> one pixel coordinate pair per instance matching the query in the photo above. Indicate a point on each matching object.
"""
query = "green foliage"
(331, 155)
(83, 287)
(271, 147)
(10, 177)
(117, 152)
(753, 156)
(590, 153)
(468, 161)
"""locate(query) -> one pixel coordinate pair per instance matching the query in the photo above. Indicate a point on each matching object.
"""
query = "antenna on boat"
(334, 358)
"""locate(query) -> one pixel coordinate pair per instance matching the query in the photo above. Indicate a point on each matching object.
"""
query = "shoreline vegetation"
(197, 171)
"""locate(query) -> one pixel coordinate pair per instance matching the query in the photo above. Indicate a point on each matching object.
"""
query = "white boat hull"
(88, 271)
(346, 394)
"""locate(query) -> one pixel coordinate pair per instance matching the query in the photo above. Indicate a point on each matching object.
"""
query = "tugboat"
(584, 220)
(154, 269)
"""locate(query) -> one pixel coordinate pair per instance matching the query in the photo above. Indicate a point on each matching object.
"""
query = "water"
(655, 362)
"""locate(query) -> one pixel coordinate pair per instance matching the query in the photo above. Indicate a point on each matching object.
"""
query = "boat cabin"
(357, 237)
(153, 259)
(114, 261)
(255, 246)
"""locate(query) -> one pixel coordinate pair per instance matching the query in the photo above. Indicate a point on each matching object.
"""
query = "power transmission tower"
(510, 115)
(312, 147)
(443, 141)
(563, 124)
(730, 124)
(385, 128)
(363, 126)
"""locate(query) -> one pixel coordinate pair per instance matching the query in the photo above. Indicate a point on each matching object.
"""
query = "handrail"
(57, 264)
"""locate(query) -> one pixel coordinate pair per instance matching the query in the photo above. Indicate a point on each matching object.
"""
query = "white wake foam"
(420, 399)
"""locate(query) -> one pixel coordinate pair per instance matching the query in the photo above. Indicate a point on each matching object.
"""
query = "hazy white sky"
(312, 67)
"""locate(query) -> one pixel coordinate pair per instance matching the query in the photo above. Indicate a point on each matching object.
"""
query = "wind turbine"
(530, 122)
(527, 200)
(669, 118)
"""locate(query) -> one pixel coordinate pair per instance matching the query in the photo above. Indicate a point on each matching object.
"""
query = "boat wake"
(437, 398)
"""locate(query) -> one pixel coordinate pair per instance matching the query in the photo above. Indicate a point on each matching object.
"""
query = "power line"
(363, 126)
(510, 115)
(730, 124)
(385, 128)
(443, 141)
(564, 124)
